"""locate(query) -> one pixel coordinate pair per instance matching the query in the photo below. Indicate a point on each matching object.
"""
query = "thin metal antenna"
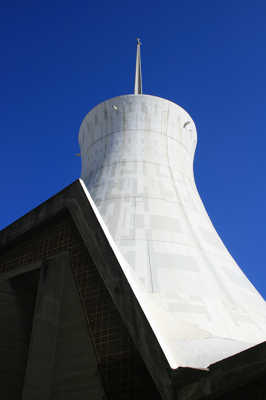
(138, 77)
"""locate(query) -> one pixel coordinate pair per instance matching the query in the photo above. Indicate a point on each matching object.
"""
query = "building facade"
(118, 287)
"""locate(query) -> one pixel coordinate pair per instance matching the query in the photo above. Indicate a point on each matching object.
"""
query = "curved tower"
(137, 164)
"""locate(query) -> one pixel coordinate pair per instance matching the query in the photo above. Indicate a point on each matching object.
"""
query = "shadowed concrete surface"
(17, 300)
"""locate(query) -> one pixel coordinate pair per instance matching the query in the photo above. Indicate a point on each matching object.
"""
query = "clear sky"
(61, 58)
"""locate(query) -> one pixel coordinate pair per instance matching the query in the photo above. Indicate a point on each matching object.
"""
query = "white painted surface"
(137, 163)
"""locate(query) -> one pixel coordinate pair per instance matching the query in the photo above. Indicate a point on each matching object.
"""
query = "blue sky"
(61, 58)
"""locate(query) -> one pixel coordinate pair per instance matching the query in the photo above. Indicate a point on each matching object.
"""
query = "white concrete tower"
(137, 164)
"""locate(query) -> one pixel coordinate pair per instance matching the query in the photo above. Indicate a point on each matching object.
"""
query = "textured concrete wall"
(137, 163)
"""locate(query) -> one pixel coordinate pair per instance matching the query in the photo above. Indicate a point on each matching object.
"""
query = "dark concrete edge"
(224, 376)
(182, 383)
(20, 270)
(34, 218)
(121, 292)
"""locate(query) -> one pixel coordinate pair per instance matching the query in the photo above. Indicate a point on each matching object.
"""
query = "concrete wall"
(137, 163)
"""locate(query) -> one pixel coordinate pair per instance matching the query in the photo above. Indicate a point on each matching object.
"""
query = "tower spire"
(138, 77)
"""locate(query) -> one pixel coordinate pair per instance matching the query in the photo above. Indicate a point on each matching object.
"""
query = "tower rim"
(135, 96)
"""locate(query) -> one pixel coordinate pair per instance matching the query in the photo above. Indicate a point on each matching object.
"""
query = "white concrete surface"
(137, 164)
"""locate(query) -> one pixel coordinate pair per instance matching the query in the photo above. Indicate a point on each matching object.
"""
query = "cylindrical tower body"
(137, 163)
